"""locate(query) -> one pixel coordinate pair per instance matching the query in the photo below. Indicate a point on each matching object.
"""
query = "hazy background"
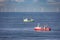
(29, 5)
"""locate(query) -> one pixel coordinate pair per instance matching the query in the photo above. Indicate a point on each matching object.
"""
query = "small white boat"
(28, 20)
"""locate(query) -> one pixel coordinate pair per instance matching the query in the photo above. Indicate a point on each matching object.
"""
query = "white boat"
(28, 20)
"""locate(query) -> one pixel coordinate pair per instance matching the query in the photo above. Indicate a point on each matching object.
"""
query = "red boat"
(42, 28)
(38, 28)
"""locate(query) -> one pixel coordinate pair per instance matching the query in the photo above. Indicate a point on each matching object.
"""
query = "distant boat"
(28, 20)
(45, 28)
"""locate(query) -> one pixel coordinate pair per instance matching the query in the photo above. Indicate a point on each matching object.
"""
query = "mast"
(38, 24)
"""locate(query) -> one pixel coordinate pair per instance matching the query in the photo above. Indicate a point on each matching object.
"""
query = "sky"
(29, 5)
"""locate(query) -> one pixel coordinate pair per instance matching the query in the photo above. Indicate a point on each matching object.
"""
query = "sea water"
(12, 26)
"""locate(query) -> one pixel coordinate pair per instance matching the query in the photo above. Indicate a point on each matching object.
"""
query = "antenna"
(38, 24)
(45, 25)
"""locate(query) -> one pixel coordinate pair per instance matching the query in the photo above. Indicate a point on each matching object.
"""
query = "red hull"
(42, 29)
